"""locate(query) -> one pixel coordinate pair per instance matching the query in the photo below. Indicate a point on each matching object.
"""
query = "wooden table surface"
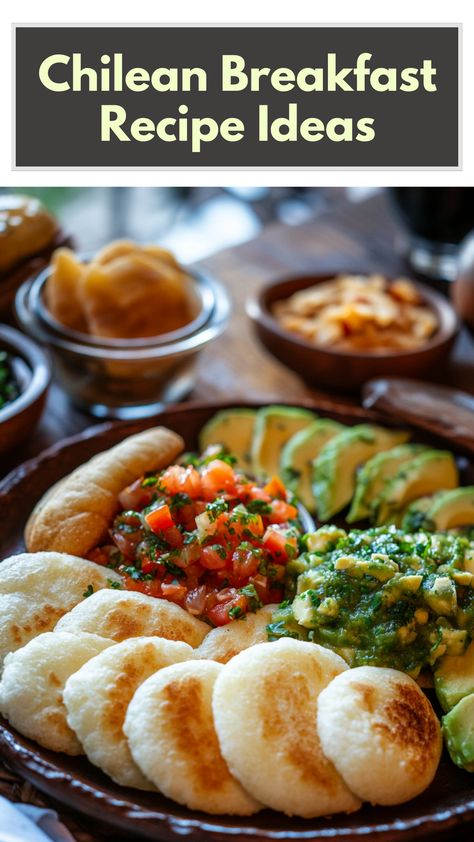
(362, 237)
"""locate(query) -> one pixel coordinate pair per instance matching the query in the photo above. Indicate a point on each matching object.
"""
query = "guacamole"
(381, 596)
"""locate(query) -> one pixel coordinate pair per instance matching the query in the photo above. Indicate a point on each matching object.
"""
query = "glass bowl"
(130, 378)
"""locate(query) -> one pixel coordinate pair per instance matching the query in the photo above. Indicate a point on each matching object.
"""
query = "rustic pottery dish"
(342, 370)
(447, 803)
(32, 370)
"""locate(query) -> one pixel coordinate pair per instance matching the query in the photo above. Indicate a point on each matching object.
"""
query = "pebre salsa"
(206, 537)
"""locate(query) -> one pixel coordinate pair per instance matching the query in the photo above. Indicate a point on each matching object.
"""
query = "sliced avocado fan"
(415, 515)
(298, 455)
(458, 732)
(454, 678)
(452, 508)
(372, 477)
(233, 429)
(274, 425)
(335, 468)
(427, 473)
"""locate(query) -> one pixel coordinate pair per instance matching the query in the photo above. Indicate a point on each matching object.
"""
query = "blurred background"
(240, 243)
(196, 222)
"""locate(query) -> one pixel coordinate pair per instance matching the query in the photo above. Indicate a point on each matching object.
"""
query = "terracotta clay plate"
(446, 805)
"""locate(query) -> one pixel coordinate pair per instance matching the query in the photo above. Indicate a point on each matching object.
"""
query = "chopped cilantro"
(216, 508)
(88, 591)
(235, 612)
(219, 549)
(113, 584)
(172, 567)
(179, 500)
(252, 596)
(259, 507)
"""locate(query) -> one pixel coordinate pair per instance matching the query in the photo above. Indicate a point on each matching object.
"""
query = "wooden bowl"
(19, 418)
(342, 370)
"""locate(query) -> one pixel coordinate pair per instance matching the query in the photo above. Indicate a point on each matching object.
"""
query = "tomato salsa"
(206, 537)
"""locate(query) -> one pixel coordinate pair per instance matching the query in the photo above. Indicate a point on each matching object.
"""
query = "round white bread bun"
(119, 615)
(171, 735)
(381, 733)
(223, 643)
(97, 697)
(31, 689)
(264, 705)
(36, 589)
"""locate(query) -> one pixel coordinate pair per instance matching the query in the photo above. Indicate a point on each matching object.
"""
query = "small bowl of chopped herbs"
(25, 375)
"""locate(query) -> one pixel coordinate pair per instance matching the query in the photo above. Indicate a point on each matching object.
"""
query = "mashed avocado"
(381, 596)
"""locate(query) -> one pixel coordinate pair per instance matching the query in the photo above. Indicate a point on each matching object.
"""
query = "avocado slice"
(298, 454)
(372, 477)
(274, 426)
(454, 678)
(415, 515)
(452, 508)
(232, 428)
(335, 468)
(458, 732)
(425, 474)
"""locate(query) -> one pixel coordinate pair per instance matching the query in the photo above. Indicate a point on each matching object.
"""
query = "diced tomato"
(135, 496)
(275, 488)
(173, 537)
(213, 557)
(257, 493)
(151, 587)
(260, 584)
(282, 512)
(127, 533)
(173, 591)
(180, 480)
(245, 563)
(149, 566)
(194, 573)
(225, 612)
(245, 526)
(274, 595)
(195, 600)
(281, 545)
(160, 519)
(217, 477)
(99, 555)
(190, 553)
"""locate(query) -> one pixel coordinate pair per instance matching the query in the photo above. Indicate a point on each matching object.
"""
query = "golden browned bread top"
(26, 228)
(75, 514)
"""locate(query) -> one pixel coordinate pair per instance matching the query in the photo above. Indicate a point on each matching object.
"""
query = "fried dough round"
(120, 615)
(74, 516)
(381, 733)
(98, 695)
(171, 735)
(223, 643)
(36, 589)
(31, 689)
(264, 705)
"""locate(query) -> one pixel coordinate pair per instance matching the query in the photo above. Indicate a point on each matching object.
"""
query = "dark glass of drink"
(437, 219)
